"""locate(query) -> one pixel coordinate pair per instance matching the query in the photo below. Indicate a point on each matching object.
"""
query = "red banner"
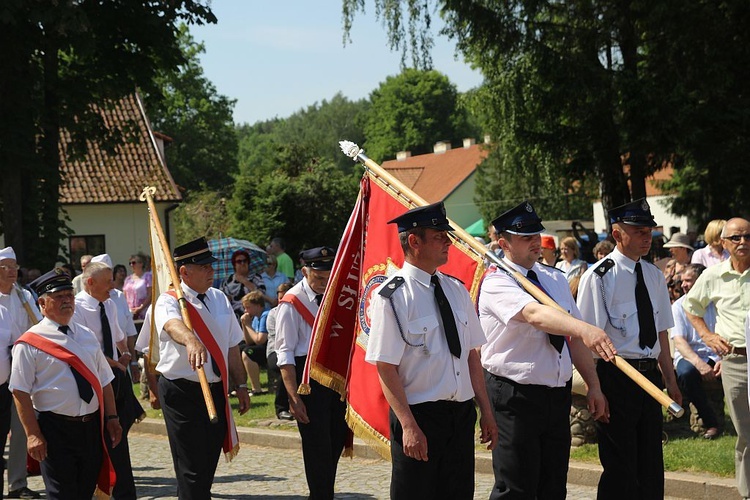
(369, 252)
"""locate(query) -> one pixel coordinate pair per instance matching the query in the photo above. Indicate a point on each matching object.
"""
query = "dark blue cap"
(635, 213)
(54, 281)
(320, 258)
(521, 219)
(430, 216)
(193, 252)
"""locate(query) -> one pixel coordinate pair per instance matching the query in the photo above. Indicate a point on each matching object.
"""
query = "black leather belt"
(740, 351)
(643, 365)
(79, 419)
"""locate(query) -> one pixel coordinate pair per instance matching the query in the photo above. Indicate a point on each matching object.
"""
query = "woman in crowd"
(570, 264)
(602, 249)
(240, 282)
(713, 252)
(119, 273)
(137, 287)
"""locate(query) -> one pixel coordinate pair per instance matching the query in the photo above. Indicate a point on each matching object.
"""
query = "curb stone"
(676, 484)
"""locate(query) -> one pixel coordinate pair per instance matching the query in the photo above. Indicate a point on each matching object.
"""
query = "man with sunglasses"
(726, 286)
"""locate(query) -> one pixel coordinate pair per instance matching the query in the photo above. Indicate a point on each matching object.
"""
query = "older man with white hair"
(18, 313)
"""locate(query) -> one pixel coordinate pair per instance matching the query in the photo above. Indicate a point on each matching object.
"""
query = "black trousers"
(194, 441)
(630, 448)
(129, 410)
(531, 457)
(6, 400)
(74, 456)
(281, 398)
(449, 471)
(323, 438)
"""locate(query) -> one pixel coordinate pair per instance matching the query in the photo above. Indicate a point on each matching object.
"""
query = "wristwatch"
(111, 417)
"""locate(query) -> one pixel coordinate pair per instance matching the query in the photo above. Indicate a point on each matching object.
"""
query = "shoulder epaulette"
(605, 266)
(448, 275)
(387, 289)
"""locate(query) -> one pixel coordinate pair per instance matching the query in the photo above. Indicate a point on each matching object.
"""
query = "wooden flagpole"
(357, 154)
(147, 196)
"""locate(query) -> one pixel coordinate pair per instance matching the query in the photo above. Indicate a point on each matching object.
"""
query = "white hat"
(679, 240)
(104, 259)
(7, 253)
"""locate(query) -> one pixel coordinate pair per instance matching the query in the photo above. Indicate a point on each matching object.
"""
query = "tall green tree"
(58, 59)
(412, 111)
(597, 84)
(188, 108)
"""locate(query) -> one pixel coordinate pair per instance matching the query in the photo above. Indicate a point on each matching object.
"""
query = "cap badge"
(324, 252)
(644, 205)
(529, 208)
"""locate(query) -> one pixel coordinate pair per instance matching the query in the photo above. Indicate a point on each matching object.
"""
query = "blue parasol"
(223, 248)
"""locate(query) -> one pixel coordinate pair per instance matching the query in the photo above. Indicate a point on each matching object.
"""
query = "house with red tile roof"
(100, 191)
(446, 174)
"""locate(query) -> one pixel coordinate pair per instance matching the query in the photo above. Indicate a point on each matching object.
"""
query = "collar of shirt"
(419, 275)
(726, 268)
(515, 267)
(53, 324)
(624, 261)
(190, 293)
(308, 291)
(83, 298)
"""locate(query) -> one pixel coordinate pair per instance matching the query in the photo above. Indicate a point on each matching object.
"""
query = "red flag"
(369, 252)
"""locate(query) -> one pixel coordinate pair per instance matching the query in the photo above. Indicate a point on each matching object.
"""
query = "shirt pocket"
(622, 315)
(421, 332)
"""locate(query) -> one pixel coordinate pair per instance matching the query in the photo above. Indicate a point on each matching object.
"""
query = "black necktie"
(557, 341)
(319, 298)
(84, 388)
(106, 332)
(202, 298)
(449, 322)
(646, 326)
(214, 364)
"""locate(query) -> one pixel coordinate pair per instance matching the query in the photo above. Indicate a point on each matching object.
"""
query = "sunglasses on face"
(736, 238)
(133, 262)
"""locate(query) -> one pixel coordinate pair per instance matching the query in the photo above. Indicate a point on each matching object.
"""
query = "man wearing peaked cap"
(62, 400)
(423, 335)
(213, 343)
(319, 414)
(16, 318)
(628, 298)
(528, 363)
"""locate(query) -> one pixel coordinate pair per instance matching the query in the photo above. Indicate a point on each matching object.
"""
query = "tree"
(198, 119)
(412, 111)
(597, 85)
(201, 213)
(308, 207)
(59, 59)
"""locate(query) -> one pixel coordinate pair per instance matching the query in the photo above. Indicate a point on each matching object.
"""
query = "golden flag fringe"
(147, 196)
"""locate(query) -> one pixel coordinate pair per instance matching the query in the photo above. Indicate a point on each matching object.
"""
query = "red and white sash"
(303, 311)
(63, 348)
(231, 445)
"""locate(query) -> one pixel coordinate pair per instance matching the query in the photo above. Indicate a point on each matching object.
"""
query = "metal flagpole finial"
(147, 190)
(350, 149)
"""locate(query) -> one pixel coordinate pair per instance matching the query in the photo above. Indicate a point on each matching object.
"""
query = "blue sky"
(278, 57)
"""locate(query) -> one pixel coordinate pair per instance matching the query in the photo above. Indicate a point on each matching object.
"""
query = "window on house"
(84, 245)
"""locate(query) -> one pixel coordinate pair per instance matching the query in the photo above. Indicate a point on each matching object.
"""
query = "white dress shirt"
(14, 320)
(124, 316)
(515, 349)
(683, 328)
(220, 320)
(87, 313)
(428, 372)
(292, 331)
(50, 381)
(613, 307)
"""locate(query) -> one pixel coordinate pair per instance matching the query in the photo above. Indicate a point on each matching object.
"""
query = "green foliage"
(308, 207)
(595, 85)
(412, 111)
(66, 56)
(201, 213)
(188, 108)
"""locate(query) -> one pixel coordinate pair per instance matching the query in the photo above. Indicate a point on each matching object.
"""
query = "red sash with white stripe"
(300, 307)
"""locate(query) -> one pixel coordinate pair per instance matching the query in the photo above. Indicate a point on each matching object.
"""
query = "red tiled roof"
(435, 176)
(120, 178)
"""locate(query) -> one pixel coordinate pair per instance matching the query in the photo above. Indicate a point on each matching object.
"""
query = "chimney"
(487, 139)
(441, 147)
(469, 142)
(402, 155)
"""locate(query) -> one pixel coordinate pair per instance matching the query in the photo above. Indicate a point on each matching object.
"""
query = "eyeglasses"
(133, 262)
(10, 267)
(736, 238)
(240, 261)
